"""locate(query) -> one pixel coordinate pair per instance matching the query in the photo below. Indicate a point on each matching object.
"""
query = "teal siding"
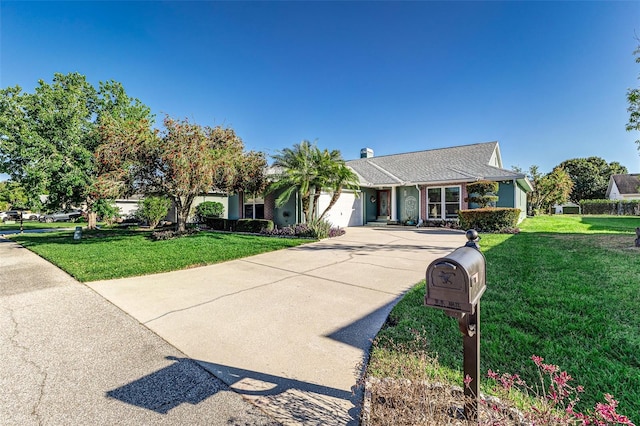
(370, 209)
(286, 215)
(234, 202)
(505, 194)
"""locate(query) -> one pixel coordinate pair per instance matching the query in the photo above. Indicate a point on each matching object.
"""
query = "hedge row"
(612, 207)
(239, 225)
(489, 219)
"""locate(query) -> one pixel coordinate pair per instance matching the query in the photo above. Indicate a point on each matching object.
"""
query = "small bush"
(489, 219)
(336, 232)
(209, 210)
(171, 234)
(153, 209)
(253, 225)
(320, 228)
(304, 230)
(439, 223)
(107, 210)
(300, 230)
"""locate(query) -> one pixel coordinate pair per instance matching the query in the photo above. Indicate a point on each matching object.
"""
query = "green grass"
(120, 253)
(566, 288)
(28, 224)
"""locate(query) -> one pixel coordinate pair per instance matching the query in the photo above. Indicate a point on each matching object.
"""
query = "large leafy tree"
(48, 138)
(307, 170)
(633, 98)
(181, 162)
(13, 196)
(548, 189)
(590, 176)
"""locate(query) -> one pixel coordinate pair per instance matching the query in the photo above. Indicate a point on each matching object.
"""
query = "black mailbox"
(457, 281)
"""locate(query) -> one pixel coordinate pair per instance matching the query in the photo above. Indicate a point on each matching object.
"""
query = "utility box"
(457, 281)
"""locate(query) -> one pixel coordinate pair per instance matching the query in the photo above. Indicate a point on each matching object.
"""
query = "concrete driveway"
(69, 357)
(288, 329)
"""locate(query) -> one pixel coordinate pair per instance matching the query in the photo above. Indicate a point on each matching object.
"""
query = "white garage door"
(346, 212)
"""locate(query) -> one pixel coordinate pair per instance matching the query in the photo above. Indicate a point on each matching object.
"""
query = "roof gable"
(454, 164)
(627, 184)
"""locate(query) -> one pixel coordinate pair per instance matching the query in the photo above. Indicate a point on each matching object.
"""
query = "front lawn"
(120, 253)
(32, 224)
(566, 288)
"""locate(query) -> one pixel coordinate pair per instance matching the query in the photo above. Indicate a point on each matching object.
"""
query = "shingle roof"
(627, 184)
(455, 164)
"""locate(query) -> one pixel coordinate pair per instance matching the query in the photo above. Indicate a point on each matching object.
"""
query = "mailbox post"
(455, 283)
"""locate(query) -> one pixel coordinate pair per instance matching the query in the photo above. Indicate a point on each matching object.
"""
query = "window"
(443, 203)
(253, 207)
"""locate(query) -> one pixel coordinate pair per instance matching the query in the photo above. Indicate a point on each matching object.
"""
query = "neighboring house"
(128, 206)
(415, 186)
(624, 187)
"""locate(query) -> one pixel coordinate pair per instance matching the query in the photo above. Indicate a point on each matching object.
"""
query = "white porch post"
(394, 207)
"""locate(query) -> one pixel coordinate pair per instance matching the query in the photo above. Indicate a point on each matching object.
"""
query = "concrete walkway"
(69, 357)
(287, 329)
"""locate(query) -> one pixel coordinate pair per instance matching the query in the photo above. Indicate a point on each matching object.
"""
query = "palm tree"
(297, 173)
(308, 170)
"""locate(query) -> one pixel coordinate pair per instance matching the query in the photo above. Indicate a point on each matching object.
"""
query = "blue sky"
(546, 79)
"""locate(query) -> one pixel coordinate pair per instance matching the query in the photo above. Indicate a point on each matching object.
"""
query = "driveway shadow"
(182, 382)
(288, 400)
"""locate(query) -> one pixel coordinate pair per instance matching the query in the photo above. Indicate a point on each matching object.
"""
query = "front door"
(383, 203)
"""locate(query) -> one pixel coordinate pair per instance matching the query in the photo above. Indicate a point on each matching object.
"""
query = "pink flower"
(467, 380)
(549, 368)
(537, 359)
(492, 374)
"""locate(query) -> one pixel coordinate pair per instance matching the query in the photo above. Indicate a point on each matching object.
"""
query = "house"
(413, 187)
(624, 187)
(410, 187)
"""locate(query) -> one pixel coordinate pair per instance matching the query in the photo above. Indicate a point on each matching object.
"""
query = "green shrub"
(253, 225)
(482, 193)
(170, 234)
(209, 210)
(489, 219)
(107, 210)
(612, 207)
(320, 228)
(220, 224)
(153, 209)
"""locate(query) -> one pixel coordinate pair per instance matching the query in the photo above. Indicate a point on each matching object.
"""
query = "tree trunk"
(92, 220)
(305, 207)
(183, 207)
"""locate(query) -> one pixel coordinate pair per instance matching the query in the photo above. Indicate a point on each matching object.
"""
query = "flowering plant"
(556, 399)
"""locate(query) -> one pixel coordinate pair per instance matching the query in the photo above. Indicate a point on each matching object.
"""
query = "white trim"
(394, 202)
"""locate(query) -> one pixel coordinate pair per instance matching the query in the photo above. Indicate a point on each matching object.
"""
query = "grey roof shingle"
(455, 164)
(627, 184)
